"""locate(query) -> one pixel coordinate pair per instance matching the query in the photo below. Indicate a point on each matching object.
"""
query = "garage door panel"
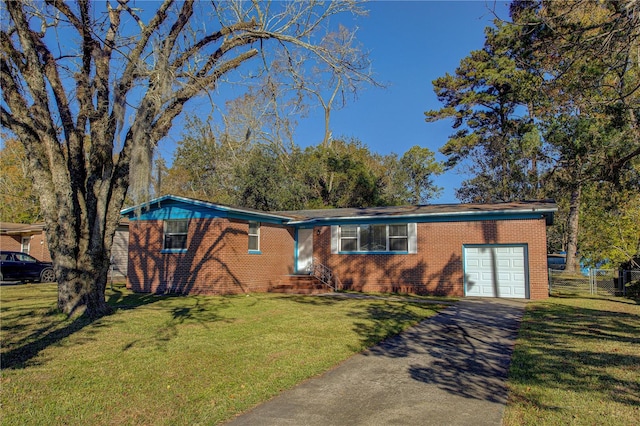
(504, 276)
(505, 292)
(495, 271)
(519, 293)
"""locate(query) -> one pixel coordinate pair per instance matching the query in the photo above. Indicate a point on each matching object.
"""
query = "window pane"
(253, 242)
(253, 228)
(176, 226)
(349, 231)
(348, 244)
(254, 236)
(398, 244)
(175, 234)
(373, 238)
(24, 258)
(175, 241)
(398, 230)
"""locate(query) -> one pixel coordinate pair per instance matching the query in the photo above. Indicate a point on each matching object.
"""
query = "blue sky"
(411, 43)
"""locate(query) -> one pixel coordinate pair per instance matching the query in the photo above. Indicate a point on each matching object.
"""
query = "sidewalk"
(448, 370)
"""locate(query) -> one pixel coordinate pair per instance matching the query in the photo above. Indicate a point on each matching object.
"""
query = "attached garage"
(496, 271)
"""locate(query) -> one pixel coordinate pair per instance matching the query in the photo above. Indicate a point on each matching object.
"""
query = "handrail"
(323, 273)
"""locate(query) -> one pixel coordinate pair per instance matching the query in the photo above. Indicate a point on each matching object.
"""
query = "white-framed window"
(374, 238)
(175, 234)
(349, 238)
(26, 244)
(254, 236)
(399, 237)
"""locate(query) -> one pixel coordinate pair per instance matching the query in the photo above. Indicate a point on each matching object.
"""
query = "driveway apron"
(450, 369)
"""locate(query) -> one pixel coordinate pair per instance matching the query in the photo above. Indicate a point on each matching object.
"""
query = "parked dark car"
(17, 266)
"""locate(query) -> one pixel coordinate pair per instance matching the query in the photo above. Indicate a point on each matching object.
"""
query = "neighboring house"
(181, 245)
(27, 238)
(31, 239)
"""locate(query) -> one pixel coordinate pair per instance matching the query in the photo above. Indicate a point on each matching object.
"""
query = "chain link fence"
(604, 282)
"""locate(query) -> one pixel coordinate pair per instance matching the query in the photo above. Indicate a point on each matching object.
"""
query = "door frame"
(304, 250)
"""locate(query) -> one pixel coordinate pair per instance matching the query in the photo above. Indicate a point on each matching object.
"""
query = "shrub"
(632, 289)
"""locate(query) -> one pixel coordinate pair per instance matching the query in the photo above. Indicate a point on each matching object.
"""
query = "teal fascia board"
(171, 207)
(390, 220)
(255, 218)
(170, 211)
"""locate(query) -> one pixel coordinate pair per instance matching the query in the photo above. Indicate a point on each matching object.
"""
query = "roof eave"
(547, 213)
(207, 204)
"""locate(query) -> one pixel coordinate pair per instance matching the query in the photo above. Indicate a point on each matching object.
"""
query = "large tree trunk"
(90, 109)
(573, 225)
(80, 242)
(82, 283)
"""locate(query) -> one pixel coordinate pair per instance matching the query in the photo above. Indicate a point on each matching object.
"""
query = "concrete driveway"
(448, 370)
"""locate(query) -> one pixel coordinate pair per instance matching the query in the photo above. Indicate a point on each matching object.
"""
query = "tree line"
(264, 176)
(549, 108)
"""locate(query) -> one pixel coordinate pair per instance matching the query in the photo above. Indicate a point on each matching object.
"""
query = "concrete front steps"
(300, 284)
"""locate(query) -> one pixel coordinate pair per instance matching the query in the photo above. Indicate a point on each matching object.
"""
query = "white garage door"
(496, 271)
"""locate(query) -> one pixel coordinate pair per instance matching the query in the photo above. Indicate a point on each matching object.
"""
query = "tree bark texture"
(573, 227)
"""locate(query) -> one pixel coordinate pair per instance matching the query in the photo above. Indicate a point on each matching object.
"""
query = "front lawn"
(576, 361)
(176, 360)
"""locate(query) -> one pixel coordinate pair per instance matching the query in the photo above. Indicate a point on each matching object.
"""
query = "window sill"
(373, 252)
(255, 252)
(173, 251)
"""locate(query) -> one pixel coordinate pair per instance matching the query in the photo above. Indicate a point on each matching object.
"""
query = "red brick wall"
(38, 247)
(10, 242)
(437, 267)
(216, 262)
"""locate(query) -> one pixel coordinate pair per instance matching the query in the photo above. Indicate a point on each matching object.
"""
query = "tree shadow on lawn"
(50, 329)
(385, 319)
(49, 334)
(198, 312)
(560, 351)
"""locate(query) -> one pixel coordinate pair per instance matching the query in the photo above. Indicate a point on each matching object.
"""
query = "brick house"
(26, 238)
(181, 245)
(32, 239)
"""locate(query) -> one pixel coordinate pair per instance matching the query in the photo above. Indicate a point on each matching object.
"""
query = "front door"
(305, 250)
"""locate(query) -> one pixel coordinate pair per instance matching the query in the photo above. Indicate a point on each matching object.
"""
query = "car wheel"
(47, 276)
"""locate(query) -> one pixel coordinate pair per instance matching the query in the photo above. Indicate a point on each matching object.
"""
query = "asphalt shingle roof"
(544, 206)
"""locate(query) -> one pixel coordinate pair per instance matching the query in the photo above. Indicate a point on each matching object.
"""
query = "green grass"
(576, 361)
(176, 360)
